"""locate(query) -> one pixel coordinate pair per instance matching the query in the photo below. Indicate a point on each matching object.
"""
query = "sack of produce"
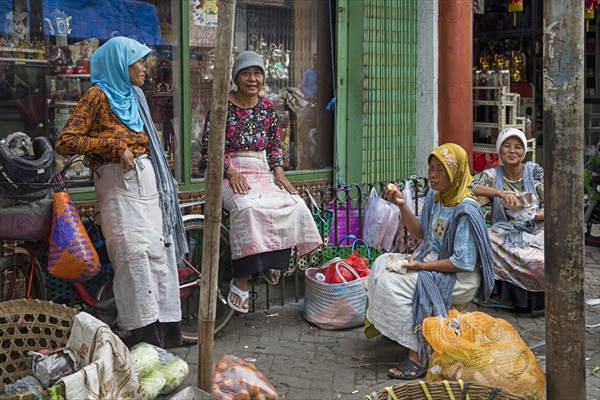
(236, 378)
(479, 348)
(159, 371)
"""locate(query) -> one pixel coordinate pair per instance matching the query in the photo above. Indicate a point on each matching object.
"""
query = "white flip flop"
(243, 295)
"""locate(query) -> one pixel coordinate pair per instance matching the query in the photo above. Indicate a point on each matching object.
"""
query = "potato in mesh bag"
(479, 348)
(236, 378)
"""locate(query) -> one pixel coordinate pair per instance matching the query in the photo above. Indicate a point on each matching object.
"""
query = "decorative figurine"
(258, 44)
(278, 62)
(499, 62)
(484, 63)
(210, 66)
(517, 67)
(20, 28)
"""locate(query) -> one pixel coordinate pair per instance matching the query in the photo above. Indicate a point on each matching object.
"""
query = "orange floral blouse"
(94, 129)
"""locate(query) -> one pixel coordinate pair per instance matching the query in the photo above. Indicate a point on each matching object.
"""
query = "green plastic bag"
(343, 251)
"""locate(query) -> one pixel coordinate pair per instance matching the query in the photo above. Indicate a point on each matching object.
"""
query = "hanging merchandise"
(71, 254)
(380, 221)
(590, 12)
(515, 6)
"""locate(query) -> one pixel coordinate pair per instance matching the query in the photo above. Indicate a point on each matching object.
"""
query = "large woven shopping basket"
(337, 305)
(30, 325)
(441, 390)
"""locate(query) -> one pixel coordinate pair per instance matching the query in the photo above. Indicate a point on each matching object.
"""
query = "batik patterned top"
(488, 178)
(464, 253)
(93, 128)
(249, 129)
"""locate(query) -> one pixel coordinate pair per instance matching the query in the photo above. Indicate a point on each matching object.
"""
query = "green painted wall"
(377, 54)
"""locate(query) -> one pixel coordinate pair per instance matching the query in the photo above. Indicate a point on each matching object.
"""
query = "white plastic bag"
(380, 222)
(159, 371)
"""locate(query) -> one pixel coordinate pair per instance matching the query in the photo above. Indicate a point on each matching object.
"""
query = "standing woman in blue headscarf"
(137, 196)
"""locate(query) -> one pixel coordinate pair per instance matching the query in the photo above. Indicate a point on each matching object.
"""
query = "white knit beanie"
(510, 132)
(247, 59)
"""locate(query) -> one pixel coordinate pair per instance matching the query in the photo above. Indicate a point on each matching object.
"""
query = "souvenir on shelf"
(81, 52)
(16, 41)
(209, 66)
(484, 63)
(20, 28)
(517, 67)
(499, 61)
(258, 44)
(277, 62)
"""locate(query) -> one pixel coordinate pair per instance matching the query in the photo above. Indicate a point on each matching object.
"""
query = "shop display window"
(45, 47)
(285, 34)
(508, 47)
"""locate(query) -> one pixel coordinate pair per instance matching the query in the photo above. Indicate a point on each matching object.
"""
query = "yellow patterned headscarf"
(455, 160)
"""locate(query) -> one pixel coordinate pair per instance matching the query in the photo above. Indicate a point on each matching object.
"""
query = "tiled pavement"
(305, 362)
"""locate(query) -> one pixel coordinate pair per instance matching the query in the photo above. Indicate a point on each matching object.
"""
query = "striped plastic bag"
(71, 254)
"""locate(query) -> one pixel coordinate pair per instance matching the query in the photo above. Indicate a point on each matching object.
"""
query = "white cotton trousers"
(146, 284)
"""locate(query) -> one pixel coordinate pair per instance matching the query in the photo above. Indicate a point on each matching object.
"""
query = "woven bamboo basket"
(30, 325)
(441, 390)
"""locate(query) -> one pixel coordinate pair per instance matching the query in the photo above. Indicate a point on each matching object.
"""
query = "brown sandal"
(269, 276)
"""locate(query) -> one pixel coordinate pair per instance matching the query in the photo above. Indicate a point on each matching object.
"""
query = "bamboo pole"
(214, 180)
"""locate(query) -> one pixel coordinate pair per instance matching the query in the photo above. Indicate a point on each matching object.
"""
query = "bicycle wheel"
(14, 278)
(109, 317)
(190, 296)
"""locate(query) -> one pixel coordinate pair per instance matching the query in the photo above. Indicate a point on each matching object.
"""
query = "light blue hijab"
(109, 70)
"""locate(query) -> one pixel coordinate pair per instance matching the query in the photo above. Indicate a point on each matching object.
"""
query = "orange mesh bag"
(71, 254)
(479, 348)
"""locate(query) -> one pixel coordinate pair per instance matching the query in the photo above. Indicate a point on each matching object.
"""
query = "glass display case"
(285, 34)
(45, 62)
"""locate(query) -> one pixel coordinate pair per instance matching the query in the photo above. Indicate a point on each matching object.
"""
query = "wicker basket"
(441, 390)
(30, 325)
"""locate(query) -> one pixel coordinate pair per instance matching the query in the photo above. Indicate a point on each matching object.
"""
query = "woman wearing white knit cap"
(267, 218)
(517, 218)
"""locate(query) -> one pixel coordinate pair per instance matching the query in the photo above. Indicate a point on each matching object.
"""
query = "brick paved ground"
(304, 362)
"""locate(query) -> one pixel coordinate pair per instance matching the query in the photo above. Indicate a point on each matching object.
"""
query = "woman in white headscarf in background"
(136, 192)
(517, 218)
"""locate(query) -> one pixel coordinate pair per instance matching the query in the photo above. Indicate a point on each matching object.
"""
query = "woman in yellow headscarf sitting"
(448, 268)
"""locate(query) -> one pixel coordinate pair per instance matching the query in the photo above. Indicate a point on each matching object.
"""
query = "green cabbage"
(152, 384)
(174, 372)
(145, 358)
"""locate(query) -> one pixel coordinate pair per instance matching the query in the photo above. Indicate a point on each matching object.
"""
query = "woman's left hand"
(282, 182)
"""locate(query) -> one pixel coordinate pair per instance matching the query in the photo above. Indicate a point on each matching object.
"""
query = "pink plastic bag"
(346, 220)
